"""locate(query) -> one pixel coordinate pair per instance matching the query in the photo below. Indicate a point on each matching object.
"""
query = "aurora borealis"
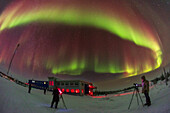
(72, 37)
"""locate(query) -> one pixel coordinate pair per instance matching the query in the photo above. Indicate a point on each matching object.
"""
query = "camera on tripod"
(135, 84)
(136, 92)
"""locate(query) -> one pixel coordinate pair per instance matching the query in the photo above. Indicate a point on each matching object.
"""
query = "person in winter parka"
(55, 97)
(145, 90)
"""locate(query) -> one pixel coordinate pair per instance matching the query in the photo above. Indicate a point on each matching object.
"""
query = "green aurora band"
(11, 18)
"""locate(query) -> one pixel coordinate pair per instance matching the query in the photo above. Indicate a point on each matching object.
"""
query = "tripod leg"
(140, 98)
(63, 101)
(131, 99)
(137, 97)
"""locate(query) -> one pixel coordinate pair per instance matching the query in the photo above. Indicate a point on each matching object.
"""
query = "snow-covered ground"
(15, 99)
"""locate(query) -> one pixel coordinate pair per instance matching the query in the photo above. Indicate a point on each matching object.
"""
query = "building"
(75, 87)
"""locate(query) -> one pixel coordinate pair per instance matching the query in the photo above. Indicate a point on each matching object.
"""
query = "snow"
(16, 99)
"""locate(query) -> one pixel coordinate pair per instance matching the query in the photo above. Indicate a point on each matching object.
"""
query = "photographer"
(55, 97)
(145, 90)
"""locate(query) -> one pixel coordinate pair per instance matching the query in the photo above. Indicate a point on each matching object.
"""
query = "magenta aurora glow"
(73, 37)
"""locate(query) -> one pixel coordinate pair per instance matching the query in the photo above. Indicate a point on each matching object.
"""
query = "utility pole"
(12, 58)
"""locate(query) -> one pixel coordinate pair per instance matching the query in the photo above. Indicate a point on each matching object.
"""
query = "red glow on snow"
(27, 83)
(151, 86)
(98, 96)
(113, 95)
(122, 94)
(12, 80)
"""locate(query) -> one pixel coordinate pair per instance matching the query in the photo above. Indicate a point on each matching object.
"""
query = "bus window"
(66, 83)
(71, 83)
(58, 83)
(62, 83)
(76, 83)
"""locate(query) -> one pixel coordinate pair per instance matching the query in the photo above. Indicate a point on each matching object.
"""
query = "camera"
(135, 84)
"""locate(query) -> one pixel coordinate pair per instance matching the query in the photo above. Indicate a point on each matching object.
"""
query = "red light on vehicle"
(51, 83)
(90, 93)
(63, 90)
(77, 91)
(67, 90)
(82, 91)
(72, 90)
(90, 86)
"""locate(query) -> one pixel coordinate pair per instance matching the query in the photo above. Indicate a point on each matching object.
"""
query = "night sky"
(92, 40)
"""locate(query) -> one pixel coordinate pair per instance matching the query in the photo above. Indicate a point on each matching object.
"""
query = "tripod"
(136, 90)
(63, 101)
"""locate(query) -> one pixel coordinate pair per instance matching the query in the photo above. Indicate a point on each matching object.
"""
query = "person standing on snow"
(55, 97)
(145, 90)
(45, 89)
(29, 88)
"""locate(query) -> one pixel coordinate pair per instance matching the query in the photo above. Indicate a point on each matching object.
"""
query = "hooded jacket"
(145, 86)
